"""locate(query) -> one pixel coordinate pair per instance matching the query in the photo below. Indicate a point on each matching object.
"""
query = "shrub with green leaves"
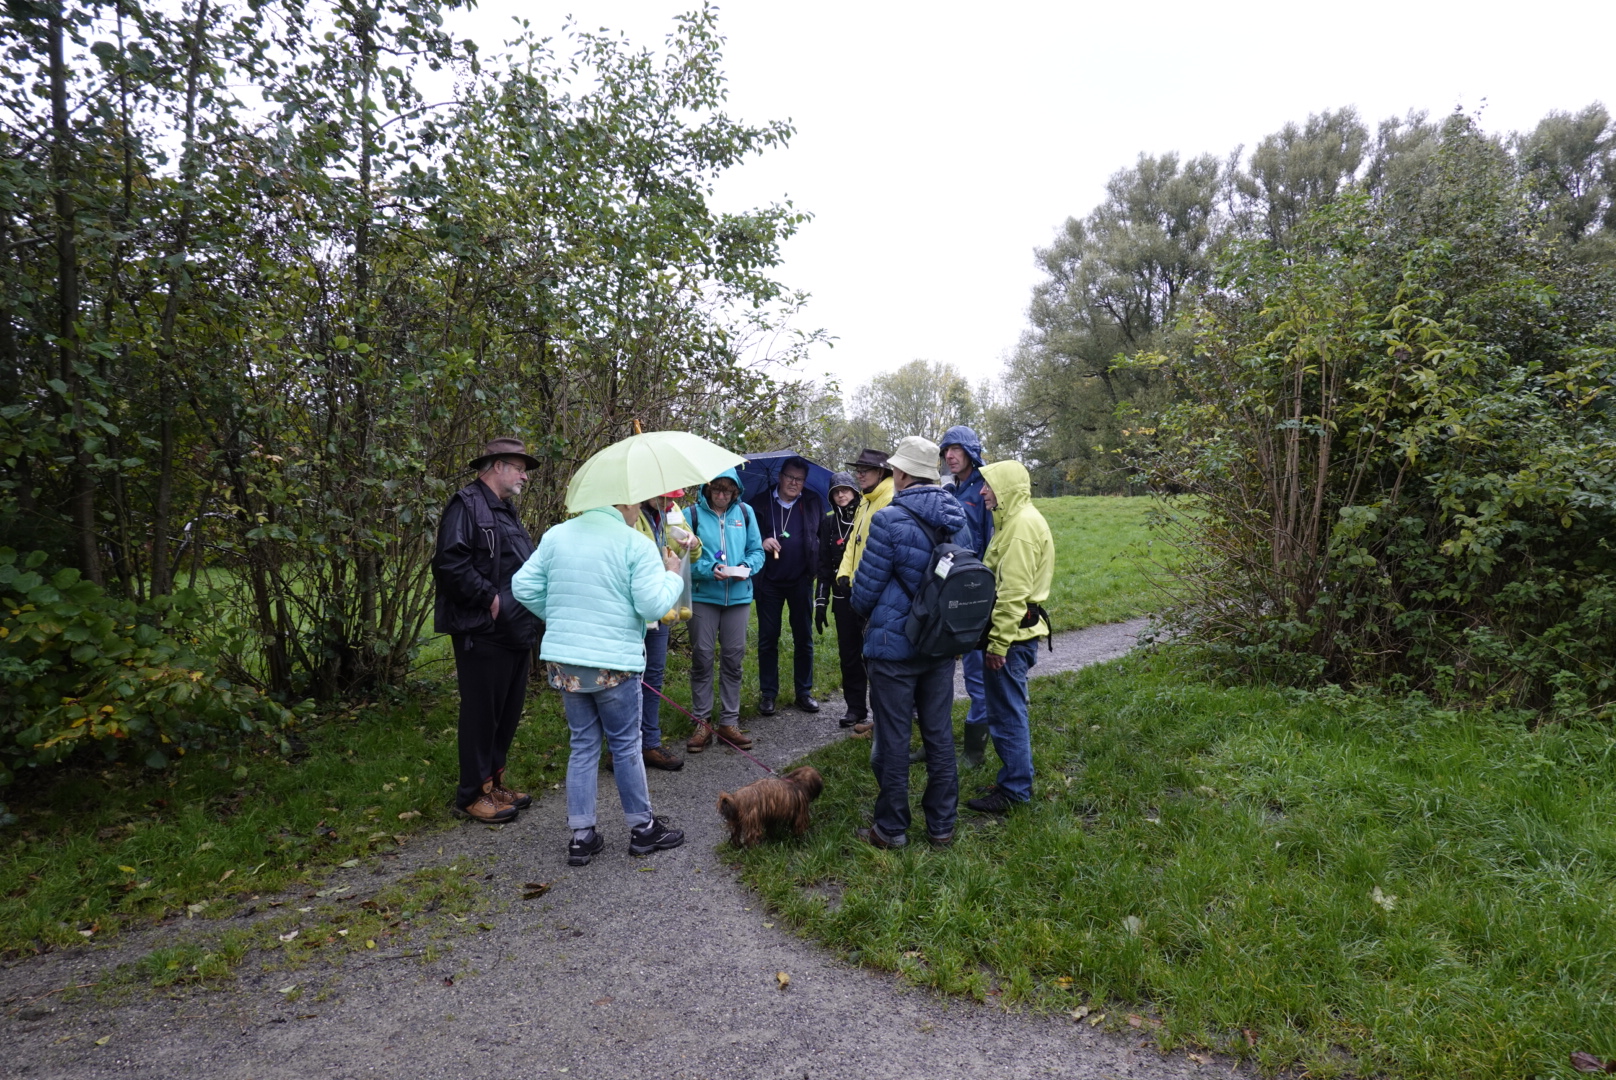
(79, 667)
(1397, 430)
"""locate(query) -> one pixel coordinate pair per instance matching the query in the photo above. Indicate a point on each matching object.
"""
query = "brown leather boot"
(731, 735)
(506, 797)
(658, 758)
(488, 809)
(700, 739)
(862, 729)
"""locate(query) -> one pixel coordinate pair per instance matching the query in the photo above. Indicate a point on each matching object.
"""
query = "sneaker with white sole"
(579, 852)
(653, 836)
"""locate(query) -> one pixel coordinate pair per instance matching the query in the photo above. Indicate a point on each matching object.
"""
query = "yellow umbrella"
(641, 466)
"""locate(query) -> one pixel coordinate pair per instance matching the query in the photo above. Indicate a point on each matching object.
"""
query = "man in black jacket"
(481, 543)
(788, 517)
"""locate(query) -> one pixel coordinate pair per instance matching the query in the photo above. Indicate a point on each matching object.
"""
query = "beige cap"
(915, 456)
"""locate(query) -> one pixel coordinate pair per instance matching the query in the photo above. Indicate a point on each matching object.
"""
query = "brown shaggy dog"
(774, 800)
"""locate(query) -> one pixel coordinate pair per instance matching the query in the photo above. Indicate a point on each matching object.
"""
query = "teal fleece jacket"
(731, 538)
(596, 581)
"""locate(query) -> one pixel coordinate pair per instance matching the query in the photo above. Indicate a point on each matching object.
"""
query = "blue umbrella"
(762, 471)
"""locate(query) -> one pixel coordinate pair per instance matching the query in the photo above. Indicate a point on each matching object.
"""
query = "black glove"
(821, 608)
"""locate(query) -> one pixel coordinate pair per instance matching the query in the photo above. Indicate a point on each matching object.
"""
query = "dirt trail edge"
(628, 968)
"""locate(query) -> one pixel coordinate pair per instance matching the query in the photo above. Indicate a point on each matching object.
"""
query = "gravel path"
(661, 967)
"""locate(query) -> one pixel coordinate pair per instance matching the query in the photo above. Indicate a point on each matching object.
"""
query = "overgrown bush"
(1397, 431)
(79, 667)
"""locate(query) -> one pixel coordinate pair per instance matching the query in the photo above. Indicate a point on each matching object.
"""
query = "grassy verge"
(1100, 576)
(96, 849)
(1356, 887)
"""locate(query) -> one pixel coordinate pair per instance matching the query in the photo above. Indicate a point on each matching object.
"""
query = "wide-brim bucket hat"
(505, 446)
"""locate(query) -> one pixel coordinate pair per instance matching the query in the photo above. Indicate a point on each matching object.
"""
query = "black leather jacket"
(473, 564)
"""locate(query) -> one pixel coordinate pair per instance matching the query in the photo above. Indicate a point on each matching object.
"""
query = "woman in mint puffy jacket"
(596, 582)
(722, 601)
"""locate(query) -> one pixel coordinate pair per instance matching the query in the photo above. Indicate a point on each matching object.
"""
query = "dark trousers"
(898, 689)
(770, 599)
(493, 686)
(850, 652)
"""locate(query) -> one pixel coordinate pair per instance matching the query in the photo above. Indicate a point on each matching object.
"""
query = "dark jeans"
(897, 690)
(850, 651)
(770, 599)
(493, 686)
(656, 665)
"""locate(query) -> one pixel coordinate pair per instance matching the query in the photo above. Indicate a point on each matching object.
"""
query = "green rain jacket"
(1021, 555)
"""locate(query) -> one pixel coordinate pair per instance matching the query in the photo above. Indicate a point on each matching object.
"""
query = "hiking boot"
(521, 800)
(579, 852)
(992, 801)
(875, 838)
(658, 758)
(807, 703)
(940, 841)
(487, 808)
(700, 739)
(852, 718)
(976, 744)
(766, 706)
(653, 836)
(731, 735)
(862, 729)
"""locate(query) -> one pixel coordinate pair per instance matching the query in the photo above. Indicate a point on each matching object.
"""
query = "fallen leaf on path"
(1200, 1059)
(287, 989)
(103, 1040)
(601, 1001)
(535, 889)
(192, 910)
(1064, 981)
(913, 954)
(226, 874)
(127, 869)
(408, 814)
(370, 943)
(1251, 1036)
(1080, 1012)
(342, 933)
(1588, 1063)
(1133, 924)
(783, 979)
(1096, 1020)
(448, 981)
(349, 865)
(289, 937)
(1385, 900)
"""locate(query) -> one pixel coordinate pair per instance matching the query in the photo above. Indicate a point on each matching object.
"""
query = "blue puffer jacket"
(894, 563)
(596, 582)
(733, 540)
(969, 493)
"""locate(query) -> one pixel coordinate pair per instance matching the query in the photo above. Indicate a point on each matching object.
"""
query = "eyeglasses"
(787, 478)
(516, 465)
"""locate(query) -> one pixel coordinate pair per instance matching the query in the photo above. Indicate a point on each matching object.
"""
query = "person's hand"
(718, 572)
(772, 546)
(688, 540)
(819, 616)
(671, 561)
(493, 609)
(995, 662)
(845, 584)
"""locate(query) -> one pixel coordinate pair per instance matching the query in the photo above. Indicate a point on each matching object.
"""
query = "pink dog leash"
(708, 726)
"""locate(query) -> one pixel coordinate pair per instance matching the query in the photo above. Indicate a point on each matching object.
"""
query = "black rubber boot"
(976, 744)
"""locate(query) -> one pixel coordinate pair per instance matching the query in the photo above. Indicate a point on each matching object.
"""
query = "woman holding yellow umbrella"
(596, 581)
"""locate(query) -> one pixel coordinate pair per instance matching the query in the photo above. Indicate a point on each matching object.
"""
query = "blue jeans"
(973, 664)
(1007, 719)
(610, 716)
(899, 689)
(656, 665)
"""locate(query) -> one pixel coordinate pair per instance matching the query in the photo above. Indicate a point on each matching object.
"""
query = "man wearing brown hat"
(481, 543)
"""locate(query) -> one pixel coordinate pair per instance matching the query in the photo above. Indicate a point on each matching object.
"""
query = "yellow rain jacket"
(1021, 555)
(874, 500)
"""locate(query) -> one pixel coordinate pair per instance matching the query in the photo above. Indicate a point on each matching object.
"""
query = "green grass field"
(1353, 887)
(1102, 553)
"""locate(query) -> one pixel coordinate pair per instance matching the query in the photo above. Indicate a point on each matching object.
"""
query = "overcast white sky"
(938, 144)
